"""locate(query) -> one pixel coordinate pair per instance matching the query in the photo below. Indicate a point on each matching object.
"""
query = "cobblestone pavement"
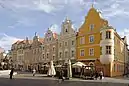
(28, 80)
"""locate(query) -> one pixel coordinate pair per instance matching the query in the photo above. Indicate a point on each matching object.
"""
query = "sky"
(21, 18)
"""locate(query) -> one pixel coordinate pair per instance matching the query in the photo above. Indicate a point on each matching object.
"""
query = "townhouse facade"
(99, 45)
(50, 47)
(67, 43)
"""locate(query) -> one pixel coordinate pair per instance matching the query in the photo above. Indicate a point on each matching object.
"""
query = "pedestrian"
(61, 75)
(34, 71)
(101, 75)
(96, 75)
(11, 73)
(82, 71)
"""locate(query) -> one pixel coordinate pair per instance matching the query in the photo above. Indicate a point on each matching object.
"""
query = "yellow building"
(99, 44)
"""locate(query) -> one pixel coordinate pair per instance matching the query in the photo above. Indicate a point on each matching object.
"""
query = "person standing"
(61, 75)
(96, 75)
(34, 71)
(11, 73)
(101, 75)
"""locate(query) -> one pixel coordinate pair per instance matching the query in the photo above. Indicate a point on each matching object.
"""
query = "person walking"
(11, 73)
(34, 71)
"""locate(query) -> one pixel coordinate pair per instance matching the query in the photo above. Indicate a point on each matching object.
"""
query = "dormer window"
(50, 39)
(91, 27)
(66, 30)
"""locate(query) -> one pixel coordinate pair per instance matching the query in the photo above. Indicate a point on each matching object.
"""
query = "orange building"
(99, 44)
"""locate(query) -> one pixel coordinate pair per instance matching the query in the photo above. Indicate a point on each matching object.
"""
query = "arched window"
(91, 64)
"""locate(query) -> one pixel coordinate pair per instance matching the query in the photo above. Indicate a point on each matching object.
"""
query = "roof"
(41, 40)
(17, 42)
(55, 35)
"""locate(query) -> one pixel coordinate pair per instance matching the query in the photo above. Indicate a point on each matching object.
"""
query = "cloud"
(55, 28)
(6, 41)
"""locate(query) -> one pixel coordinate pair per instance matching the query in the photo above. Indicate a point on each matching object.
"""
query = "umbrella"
(78, 64)
(51, 70)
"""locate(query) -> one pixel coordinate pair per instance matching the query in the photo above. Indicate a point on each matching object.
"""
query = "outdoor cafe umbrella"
(78, 64)
(51, 70)
(69, 69)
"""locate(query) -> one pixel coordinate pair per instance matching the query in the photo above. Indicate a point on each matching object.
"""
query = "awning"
(78, 64)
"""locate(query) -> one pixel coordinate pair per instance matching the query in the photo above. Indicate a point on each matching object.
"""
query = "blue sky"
(21, 18)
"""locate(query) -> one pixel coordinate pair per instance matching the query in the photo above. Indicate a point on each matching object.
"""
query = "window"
(72, 53)
(72, 42)
(82, 53)
(53, 57)
(60, 44)
(43, 48)
(114, 51)
(108, 49)
(91, 27)
(114, 67)
(53, 49)
(91, 39)
(108, 34)
(65, 43)
(82, 40)
(100, 50)
(60, 55)
(47, 55)
(66, 30)
(91, 51)
(43, 56)
(50, 39)
(66, 54)
(100, 36)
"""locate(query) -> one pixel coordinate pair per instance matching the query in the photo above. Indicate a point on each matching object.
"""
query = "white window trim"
(92, 28)
(93, 39)
(108, 36)
(109, 50)
(90, 52)
(80, 52)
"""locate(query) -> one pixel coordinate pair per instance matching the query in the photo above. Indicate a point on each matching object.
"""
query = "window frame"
(108, 50)
(108, 34)
(72, 53)
(81, 52)
(91, 27)
(91, 39)
(73, 42)
(91, 51)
